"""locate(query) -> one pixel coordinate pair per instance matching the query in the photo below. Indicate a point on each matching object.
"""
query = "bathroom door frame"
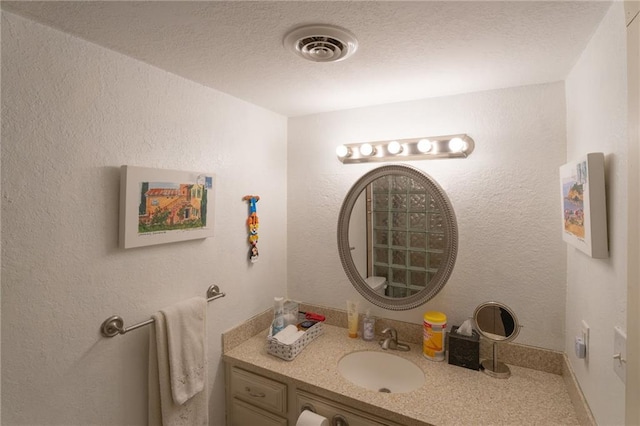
(632, 391)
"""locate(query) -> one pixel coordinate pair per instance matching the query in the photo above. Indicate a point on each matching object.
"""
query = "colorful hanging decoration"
(252, 224)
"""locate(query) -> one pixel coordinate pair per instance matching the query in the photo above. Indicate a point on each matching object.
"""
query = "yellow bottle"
(435, 325)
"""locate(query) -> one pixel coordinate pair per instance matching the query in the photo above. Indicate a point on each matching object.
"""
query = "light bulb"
(424, 145)
(456, 145)
(394, 147)
(343, 151)
(366, 149)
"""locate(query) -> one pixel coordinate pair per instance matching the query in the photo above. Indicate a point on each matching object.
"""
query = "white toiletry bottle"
(278, 315)
(368, 327)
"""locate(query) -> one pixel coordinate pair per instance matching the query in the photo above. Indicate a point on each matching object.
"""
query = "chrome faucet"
(390, 340)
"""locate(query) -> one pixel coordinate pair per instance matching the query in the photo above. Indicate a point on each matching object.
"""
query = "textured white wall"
(72, 114)
(596, 93)
(632, 9)
(0, 255)
(505, 196)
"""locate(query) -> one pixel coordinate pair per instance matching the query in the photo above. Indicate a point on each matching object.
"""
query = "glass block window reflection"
(407, 234)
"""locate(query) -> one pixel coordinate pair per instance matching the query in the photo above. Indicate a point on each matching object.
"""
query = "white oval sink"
(381, 371)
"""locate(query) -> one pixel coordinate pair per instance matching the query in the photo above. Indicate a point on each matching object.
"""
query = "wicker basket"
(289, 352)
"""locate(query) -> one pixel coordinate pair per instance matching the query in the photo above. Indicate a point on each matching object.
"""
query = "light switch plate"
(585, 338)
(620, 347)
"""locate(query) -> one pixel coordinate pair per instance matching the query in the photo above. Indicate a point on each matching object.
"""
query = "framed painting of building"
(584, 212)
(164, 206)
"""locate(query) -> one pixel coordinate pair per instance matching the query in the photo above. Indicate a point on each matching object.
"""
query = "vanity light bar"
(428, 148)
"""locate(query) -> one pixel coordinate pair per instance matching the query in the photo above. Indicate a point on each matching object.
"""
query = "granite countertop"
(450, 395)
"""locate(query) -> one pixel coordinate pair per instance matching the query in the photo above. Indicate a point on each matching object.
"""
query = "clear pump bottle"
(278, 315)
(368, 327)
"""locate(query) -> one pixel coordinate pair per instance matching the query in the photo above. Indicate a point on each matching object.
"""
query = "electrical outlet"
(620, 353)
(585, 338)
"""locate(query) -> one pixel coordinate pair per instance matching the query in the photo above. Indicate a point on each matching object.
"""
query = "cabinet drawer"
(329, 409)
(247, 415)
(259, 391)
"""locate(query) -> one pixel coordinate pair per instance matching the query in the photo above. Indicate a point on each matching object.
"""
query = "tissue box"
(464, 351)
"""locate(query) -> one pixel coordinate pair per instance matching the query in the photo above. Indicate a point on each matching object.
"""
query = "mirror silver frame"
(489, 336)
(450, 227)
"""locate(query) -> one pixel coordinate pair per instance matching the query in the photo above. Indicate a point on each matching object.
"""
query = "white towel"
(177, 365)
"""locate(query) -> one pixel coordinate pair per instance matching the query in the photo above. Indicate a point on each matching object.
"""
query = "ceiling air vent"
(321, 43)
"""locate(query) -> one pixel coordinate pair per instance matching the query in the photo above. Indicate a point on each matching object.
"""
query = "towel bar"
(114, 325)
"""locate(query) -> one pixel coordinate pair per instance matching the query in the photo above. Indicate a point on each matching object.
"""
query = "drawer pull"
(253, 393)
(339, 420)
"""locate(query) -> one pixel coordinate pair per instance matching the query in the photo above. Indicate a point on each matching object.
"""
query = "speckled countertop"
(450, 395)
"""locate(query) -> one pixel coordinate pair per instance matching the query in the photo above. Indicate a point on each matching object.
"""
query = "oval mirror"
(496, 322)
(397, 237)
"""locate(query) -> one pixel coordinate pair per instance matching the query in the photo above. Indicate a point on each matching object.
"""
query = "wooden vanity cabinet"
(255, 400)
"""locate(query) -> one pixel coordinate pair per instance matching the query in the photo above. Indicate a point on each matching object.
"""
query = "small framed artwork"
(584, 211)
(164, 206)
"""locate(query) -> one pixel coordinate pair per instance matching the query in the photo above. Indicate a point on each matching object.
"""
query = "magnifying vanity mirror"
(497, 323)
(397, 237)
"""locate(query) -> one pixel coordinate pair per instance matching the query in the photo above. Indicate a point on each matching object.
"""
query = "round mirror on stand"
(497, 323)
(397, 237)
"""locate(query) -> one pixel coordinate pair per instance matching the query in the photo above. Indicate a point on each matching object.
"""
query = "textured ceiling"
(408, 50)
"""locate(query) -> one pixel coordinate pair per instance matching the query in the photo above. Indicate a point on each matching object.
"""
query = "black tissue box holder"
(464, 351)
